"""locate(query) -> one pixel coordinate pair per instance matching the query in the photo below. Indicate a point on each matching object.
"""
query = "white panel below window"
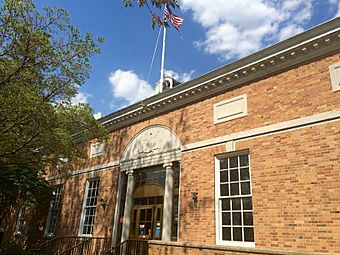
(230, 109)
(97, 149)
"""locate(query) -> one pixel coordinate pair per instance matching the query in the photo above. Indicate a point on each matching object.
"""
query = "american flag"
(174, 19)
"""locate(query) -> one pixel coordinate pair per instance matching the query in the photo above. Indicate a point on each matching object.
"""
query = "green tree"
(43, 62)
(158, 4)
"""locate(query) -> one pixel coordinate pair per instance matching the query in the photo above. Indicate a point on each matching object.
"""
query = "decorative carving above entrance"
(152, 146)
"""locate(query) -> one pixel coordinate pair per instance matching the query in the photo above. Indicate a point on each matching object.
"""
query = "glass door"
(157, 223)
(145, 222)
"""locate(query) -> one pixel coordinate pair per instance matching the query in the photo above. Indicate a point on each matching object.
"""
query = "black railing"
(66, 245)
(57, 245)
(82, 248)
(130, 247)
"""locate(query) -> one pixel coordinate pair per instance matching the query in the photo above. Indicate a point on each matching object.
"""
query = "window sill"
(237, 244)
(83, 235)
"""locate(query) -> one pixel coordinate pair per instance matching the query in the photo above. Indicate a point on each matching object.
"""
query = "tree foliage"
(21, 186)
(158, 4)
(43, 62)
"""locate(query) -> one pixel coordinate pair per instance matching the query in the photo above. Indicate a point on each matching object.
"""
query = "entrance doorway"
(147, 212)
(147, 222)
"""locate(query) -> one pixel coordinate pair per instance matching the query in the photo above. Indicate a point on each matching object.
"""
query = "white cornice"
(319, 41)
(85, 170)
(306, 121)
(286, 126)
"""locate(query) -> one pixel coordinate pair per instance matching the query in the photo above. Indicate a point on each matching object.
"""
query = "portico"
(151, 167)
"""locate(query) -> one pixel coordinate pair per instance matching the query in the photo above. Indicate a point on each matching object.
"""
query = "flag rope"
(154, 53)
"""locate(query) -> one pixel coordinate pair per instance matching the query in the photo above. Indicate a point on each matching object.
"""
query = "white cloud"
(289, 30)
(128, 86)
(80, 98)
(183, 77)
(336, 4)
(237, 28)
(98, 115)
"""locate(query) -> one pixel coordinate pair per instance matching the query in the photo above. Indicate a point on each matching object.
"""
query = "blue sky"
(214, 33)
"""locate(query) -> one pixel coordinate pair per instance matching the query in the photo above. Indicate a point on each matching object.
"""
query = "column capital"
(167, 165)
(129, 172)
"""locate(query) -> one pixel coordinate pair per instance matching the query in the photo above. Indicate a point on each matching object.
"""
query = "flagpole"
(162, 65)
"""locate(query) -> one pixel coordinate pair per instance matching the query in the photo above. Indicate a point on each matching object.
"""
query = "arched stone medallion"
(153, 145)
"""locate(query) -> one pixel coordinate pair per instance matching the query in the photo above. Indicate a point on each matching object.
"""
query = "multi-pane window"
(20, 220)
(174, 228)
(54, 210)
(89, 207)
(149, 176)
(234, 200)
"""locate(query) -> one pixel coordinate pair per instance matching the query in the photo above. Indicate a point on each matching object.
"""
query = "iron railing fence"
(130, 247)
(73, 245)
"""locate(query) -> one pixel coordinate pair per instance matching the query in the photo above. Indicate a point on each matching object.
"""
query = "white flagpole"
(162, 65)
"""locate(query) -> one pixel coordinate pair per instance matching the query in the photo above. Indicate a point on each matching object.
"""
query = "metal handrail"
(109, 252)
(58, 245)
(130, 247)
(38, 246)
(88, 247)
(73, 249)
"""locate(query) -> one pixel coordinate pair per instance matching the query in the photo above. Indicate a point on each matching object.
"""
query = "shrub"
(12, 249)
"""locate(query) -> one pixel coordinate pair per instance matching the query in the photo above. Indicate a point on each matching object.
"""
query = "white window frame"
(20, 220)
(334, 72)
(85, 207)
(218, 209)
(54, 206)
(97, 149)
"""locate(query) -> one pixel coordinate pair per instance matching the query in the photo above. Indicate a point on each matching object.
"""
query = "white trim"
(20, 220)
(152, 160)
(135, 112)
(87, 170)
(117, 209)
(179, 200)
(50, 209)
(217, 191)
(304, 121)
(230, 146)
(240, 244)
(153, 145)
(82, 218)
(81, 223)
(334, 71)
(218, 209)
(320, 118)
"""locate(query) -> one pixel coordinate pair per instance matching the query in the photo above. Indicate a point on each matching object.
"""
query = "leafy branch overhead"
(159, 4)
(43, 62)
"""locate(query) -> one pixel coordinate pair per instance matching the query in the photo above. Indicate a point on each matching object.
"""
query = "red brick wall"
(163, 248)
(295, 184)
(302, 91)
(295, 174)
(72, 203)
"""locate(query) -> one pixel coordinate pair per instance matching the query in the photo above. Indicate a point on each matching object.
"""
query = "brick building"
(244, 159)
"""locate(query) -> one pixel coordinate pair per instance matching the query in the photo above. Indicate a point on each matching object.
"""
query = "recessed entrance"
(151, 158)
(147, 212)
(147, 221)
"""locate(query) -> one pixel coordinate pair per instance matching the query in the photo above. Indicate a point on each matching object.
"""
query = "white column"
(128, 204)
(168, 197)
(117, 209)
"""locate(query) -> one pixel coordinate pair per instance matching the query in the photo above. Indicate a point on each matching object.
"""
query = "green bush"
(12, 249)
